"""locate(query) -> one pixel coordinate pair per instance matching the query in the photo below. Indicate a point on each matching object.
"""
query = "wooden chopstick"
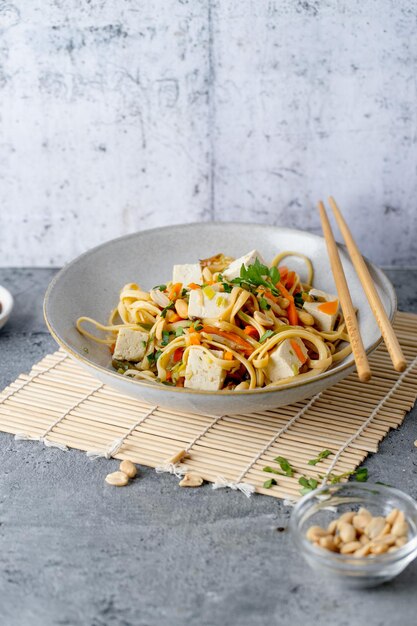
(387, 331)
(361, 360)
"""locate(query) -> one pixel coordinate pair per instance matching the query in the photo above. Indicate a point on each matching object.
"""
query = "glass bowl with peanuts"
(360, 534)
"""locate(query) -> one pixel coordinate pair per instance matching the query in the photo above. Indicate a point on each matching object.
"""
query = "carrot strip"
(292, 311)
(194, 286)
(290, 280)
(251, 331)
(228, 356)
(175, 291)
(194, 339)
(174, 317)
(329, 307)
(298, 351)
(283, 271)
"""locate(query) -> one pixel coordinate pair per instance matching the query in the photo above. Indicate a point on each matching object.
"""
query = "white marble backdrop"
(122, 115)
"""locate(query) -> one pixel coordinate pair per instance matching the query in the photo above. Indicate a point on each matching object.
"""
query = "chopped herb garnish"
(165, 338)
(361, 474)
(153, 357)
(183, 292)
(166, 309)
(307, 484)
(268, 483)
(264, 304)
(266, 335)
(179, 331)
(271, 470)
(256, 275)
(228, 288)
(284, 465)
(161, 287)
(144, 344)
(298, 298)
(321, 455)
(198, 327)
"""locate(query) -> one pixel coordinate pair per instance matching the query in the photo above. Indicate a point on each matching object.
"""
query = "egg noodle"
(265, 306)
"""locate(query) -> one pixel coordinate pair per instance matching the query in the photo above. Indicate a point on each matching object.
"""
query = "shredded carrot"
(290, 280)
(251, 331)
(169, 375)
(174, 317)
(283, 270)
(298, 351)
(177, 356)
(329, 307)
(228, 356)
(292, 311)
(180, 382)
(193, 286)
(175, 291)
(231, 336)
(194, 339)
(112, 347)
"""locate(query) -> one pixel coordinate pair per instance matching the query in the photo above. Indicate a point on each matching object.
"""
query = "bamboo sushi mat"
(59, 404)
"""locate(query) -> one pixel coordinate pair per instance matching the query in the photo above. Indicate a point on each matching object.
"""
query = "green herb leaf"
(198, 327)
(307, 484)
(271, 470)
(266, 335)
(165, 338)
(179, 331)
(268, 483)
(361, 474)
(274, 275)
(256, 275)
(284, 465)
(264, 304)
(183, 292)
(228, 288)
(166, 309)
(161, 287)
(321, 455)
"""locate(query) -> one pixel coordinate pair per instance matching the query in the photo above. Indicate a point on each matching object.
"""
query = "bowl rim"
(288, 386)
(346, 561)
(7, 302)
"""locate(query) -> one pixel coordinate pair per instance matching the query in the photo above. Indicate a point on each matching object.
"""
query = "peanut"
(128, 468)
(177, 457)
(117, 479)
(401, 541)
(392, 516)
(350, 547)
(400, 528)
(181, 308)
(346, 517)
(315, 532)
(375, 527)
(332, 527)
(364, 551)
(306, 318)
(191, 480)
(328, 543)
(347, 532)
(360, 521)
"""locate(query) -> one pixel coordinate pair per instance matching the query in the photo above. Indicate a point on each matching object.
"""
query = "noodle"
(259, 332)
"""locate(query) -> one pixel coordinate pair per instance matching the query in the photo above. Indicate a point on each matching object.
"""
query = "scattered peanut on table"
(191, 480)
(361, 534)
(127, 470)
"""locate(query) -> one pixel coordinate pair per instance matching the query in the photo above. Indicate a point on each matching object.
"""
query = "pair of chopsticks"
(387, 331)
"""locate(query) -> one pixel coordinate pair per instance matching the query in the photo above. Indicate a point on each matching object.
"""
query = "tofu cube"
(233, 271)
(208, 303)
(325, 321)
(187, 273)
(202, 372)
(283, 361)
(130, 345)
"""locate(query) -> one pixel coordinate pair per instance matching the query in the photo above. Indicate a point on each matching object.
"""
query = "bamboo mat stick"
(362, 365)
(369, 288)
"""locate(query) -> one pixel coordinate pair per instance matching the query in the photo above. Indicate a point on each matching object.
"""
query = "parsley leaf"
(160, 287)
(271, 470)
(268, 483)
(258, 274)
(361, 474)
(284, 465)
(179, 331)
(321, 455)
(266, 335)
(228, 288)
(153, 357)
(307, 484)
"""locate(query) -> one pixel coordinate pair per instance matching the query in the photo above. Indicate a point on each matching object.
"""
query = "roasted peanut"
(400, 528)
(374, 527)
(306, 318)
(347, 532)
(346, 517)
(191, 480)
(117, 479)
(315, 532)
(392, 516)
(350, 547)
(181, 308)
(128, 468)
(177, 457)
(328, 543)
(332, 526)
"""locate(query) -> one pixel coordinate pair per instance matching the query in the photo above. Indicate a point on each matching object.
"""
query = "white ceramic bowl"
(90, 286)
(6, 302)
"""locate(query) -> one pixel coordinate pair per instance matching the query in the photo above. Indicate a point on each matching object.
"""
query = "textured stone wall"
(129, 114)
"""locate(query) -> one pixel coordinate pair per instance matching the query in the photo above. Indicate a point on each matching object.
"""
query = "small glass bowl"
(323, 505)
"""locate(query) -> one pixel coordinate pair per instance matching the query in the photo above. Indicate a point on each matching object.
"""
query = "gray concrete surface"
(74, 551)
